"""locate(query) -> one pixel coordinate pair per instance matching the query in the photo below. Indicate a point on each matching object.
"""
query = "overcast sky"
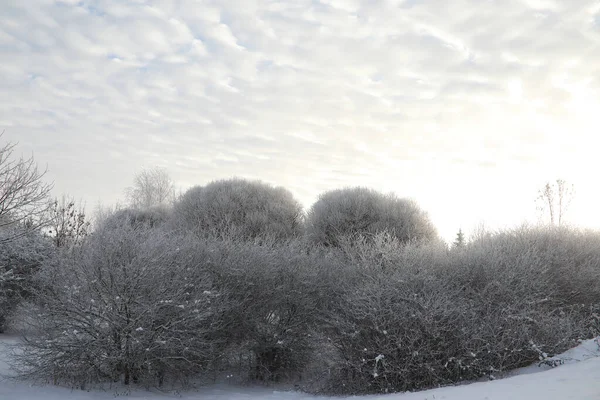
(465, 106)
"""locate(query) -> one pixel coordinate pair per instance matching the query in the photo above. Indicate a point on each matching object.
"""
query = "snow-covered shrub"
(278, 289)
(549, 267)
(239, 208)
(413, 317)
(20, 258)
(153, 217)
(360, 211)
(130, 304)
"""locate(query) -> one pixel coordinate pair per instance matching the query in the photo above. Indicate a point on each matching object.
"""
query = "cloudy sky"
(467, 106)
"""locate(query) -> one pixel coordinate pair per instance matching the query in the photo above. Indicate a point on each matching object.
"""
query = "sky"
(466, 106)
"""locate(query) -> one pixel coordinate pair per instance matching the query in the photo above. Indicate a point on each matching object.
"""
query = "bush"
(372, 314)
(239, 208)
(415, 317)
(364, 212)
(20, 259)
(279, 290)
(139, 305)
(127, 305)
(153, 217)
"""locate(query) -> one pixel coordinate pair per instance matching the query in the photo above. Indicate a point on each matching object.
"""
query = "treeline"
(357, 295)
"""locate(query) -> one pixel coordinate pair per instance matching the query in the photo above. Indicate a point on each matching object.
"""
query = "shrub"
(239, 208)
(153, 217)
(279, 290)
(415, 317)
(360, 211)
(554, 267)
(127, 305)
(20, 259)
(372, 314)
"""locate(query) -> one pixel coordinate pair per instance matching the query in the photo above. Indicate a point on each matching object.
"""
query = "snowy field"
(578, 378)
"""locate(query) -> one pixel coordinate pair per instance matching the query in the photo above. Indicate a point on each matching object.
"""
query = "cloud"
(309, 94)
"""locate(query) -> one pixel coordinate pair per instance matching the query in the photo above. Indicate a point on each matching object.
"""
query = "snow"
(577, 379)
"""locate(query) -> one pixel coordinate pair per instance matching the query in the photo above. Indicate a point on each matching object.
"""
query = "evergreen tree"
(460, 239)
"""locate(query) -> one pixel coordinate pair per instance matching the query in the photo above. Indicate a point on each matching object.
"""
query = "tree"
(554, 199)
(67, 224)
(23, 194)
(20, 258)
(460, 239)
(360, 211)
(151, 187)
(132, 304)
(241, 208)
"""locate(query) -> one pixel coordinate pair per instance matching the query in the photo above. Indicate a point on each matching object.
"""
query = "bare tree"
(151, 187)
(23, 193)
(554, 199)
(67, 223)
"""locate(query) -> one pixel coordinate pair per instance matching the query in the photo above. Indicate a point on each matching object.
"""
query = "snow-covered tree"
(130, 304)
(360, 211)
(20, 258)
(241, 208)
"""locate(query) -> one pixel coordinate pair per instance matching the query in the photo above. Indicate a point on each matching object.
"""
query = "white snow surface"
(578, 379)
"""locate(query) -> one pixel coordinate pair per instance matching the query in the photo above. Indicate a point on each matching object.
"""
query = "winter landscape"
(299, 199)
(234, 283)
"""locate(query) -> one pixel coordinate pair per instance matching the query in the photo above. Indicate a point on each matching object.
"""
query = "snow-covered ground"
(578, 379)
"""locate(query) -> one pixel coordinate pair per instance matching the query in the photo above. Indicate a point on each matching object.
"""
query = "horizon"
(467, 107)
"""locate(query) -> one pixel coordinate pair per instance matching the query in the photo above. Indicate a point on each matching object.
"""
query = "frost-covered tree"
(241, 208)
(360, 211)
(23, 193)
(151, 187)
(131, 304)
(20, 258)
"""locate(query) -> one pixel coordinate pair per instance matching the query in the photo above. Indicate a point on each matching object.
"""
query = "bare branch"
(23, 193)
(554, 199)
(151, 187)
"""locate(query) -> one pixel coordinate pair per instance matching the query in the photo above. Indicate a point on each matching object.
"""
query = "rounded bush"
(360, 211)
(136, 218)
(239, 208)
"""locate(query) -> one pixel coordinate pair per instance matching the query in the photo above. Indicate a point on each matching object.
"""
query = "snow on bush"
(343, 213)
(138, 303)
(127, 305)
(279, 290)
(20, 259)
(414, 317)
(239, 208)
